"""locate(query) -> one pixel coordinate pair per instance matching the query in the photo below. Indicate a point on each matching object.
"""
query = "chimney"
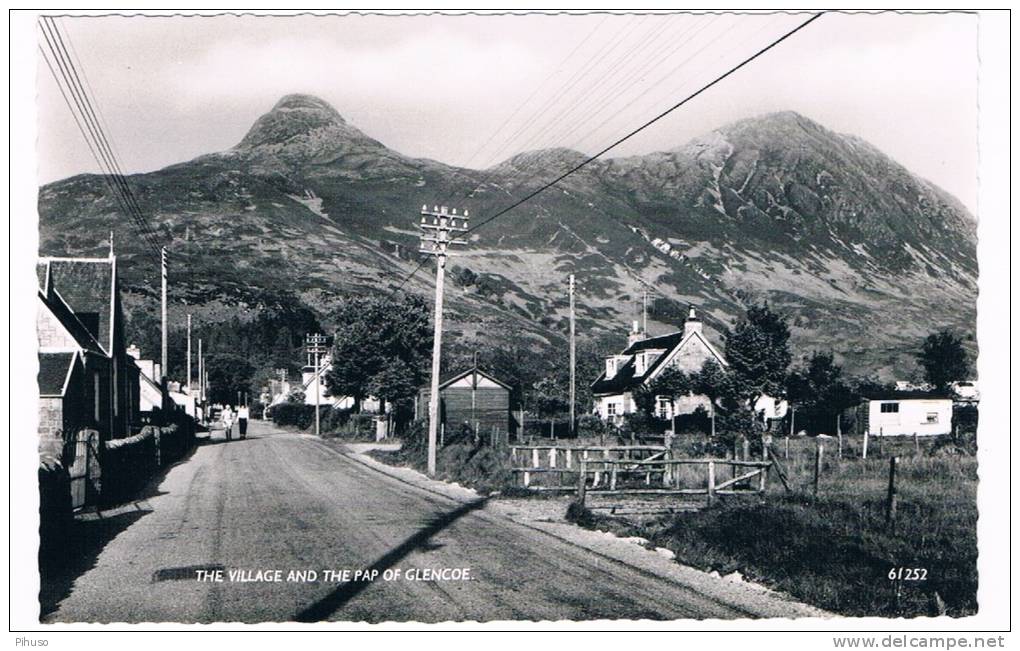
(635, 334)
(133, 351)
(692, 324)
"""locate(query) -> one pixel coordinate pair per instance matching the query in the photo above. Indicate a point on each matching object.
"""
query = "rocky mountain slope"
(864, 256)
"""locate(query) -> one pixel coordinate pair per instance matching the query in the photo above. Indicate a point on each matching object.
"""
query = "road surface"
(281, 501)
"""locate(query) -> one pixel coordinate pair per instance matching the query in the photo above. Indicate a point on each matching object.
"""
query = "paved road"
(282, 501)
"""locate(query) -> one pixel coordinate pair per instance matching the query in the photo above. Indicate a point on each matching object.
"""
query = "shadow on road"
(322, 609)
(85, 540)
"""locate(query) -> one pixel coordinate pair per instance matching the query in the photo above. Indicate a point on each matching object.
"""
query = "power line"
(92, 112)
(630, 134)
(647, 124)
(106, 158)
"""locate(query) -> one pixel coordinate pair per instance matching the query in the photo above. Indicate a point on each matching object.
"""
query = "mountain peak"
(293, 116)
(299, 101)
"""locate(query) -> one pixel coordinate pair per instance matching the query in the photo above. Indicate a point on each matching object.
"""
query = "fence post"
(762, 477)
(569, 454)
(917, 446)
(786, 453)
(864, 447)
(552, 457)
(747, 449)
(535, 463)
(711, 483)
(890, 504)
(582, 482)
(819, 451)
(612, 477)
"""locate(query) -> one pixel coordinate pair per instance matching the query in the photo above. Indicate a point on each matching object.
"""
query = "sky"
(473, 90)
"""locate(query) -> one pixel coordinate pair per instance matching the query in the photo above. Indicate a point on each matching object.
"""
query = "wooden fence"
(528, 461)
(608, 476)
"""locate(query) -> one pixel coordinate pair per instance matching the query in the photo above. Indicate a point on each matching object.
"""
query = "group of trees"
(241, 353)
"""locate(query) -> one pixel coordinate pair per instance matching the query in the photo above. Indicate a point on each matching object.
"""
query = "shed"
(471, 398)
(904, 413)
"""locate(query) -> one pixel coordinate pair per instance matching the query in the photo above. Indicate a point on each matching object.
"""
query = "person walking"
(242, 420)
(228, 422)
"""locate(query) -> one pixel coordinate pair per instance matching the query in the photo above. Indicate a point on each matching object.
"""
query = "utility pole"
(315, 345)
(644, 312)
(162, 256)
(573, 361)
(437, 227)
(189, 354)
(201, 366)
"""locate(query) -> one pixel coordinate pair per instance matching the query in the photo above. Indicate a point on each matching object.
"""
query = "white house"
(904, 413)
(369, 404)
(645, 359)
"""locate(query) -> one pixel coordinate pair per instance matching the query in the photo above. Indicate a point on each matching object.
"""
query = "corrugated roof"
(53, 370)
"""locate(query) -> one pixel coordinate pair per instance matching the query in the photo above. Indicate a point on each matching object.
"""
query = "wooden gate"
(617, 477)
(84, 472)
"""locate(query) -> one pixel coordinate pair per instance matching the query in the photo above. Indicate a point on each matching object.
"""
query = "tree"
(821, 392)
(671, 383)
(228, 375)
(758, 352)
(381, 348)
(550, 398)
(943, 359)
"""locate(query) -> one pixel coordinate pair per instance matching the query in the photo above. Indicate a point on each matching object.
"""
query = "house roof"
(662, 342)
(62, 312)
(906, 395)
(450, 379)
(624, 379)
(86, 285)
(54, 369)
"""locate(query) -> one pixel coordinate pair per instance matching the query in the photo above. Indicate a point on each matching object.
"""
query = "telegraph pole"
(162, 256)
(438, 225)
(189, 354)
(316, 345)
(644, 313)
(573, 360)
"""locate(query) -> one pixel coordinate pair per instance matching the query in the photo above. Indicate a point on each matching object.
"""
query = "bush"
(294, 414)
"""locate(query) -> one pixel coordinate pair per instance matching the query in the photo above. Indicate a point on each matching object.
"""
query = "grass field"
(836, 550)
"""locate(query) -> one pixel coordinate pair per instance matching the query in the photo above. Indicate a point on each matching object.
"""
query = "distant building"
(645, 359)
(150, 395)
(902, 413)
(369, 404)
(471, 398)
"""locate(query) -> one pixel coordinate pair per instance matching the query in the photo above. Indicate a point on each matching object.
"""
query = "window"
(663, 407)
(932, 418)
(610, 409)
(890, 407)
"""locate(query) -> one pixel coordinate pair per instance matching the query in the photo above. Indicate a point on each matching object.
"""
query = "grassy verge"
(835, 551)
(476, 466)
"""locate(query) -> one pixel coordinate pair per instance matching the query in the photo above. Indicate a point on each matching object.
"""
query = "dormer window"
(644, 360)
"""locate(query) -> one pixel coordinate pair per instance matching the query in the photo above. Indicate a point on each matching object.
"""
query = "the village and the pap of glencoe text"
(535, 317)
